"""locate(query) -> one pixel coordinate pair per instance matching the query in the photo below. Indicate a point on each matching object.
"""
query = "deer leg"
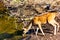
(54, 25)
(41, 29)
(57, 25)
(37, 31)
(28, 28)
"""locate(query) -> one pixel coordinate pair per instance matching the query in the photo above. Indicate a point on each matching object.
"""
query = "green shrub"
(9, 25)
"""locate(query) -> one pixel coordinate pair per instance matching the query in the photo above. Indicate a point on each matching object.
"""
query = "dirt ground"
(48, 36)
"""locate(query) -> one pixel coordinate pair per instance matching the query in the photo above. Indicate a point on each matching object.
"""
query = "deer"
(43, 19)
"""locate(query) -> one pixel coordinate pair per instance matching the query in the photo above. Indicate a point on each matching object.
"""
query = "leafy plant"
(9, 25)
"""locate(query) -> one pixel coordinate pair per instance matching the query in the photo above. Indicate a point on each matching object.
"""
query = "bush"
(8, 25)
